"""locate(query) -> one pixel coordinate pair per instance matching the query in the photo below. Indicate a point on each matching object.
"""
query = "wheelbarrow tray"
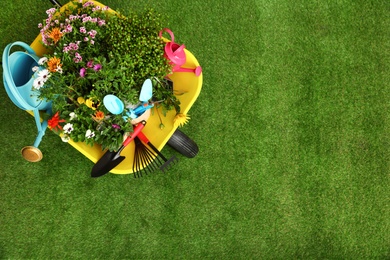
(187, 83)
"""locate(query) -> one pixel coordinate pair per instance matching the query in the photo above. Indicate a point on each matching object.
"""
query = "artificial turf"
(293, 129)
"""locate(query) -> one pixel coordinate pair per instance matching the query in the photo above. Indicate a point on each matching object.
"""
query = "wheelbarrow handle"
(54, 2)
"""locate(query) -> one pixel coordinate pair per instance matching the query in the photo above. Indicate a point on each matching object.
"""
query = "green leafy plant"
(93, 52)
(133, 41)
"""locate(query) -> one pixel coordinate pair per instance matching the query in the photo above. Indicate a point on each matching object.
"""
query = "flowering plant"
(93, 52)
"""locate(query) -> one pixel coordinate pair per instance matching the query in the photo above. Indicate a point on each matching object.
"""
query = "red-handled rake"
(149, 160)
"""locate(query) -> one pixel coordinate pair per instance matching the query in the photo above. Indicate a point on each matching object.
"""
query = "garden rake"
(149, 160)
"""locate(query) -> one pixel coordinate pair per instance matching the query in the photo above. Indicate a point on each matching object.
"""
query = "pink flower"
(101, 22)
(44, 39)
(73, 46)
(92, 33)
(51, 11)
(97, 67)
(88, 4)
(83, 71)
(86, 19)
(78, 58)
(83, 30)
(90, 64)
(73, 17)
(68, 28)
(115, 126)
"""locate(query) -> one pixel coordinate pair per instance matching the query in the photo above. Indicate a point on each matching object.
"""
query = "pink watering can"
(197, 70)
(173, 51)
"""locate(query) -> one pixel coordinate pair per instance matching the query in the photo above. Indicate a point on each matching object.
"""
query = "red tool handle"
(137, 129)
(143, 138)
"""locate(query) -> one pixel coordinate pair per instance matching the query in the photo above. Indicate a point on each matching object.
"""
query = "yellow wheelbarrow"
(186, 78)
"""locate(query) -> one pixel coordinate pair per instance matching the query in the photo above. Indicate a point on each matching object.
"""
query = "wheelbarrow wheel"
(183, 144)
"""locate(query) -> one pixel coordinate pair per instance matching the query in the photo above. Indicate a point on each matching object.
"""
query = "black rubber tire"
(183, 144)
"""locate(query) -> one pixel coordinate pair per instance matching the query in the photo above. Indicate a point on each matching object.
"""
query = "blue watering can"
(18, 82)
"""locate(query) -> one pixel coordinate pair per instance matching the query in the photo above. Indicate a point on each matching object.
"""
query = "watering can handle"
(21, 44)
(168, 31)
(7, 71)
(180, 49)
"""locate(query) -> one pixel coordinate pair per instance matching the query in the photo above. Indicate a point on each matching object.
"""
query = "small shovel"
(111, 158)
(145, 94)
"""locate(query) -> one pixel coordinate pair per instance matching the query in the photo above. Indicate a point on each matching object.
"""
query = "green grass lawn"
(293, 128)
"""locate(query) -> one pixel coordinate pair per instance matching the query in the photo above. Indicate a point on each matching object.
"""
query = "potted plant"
(94, 52)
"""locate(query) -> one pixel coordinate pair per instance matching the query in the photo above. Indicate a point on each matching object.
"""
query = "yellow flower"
(80, 100)
(180, 119)
(89, 103)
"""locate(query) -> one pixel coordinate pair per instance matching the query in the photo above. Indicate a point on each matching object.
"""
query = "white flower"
(68, 128)
(35, 68)
(72, 115)
(44, 74)
(42, 60)
(38, 83)
(59, 70)
(65, 138)
(89, 134)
